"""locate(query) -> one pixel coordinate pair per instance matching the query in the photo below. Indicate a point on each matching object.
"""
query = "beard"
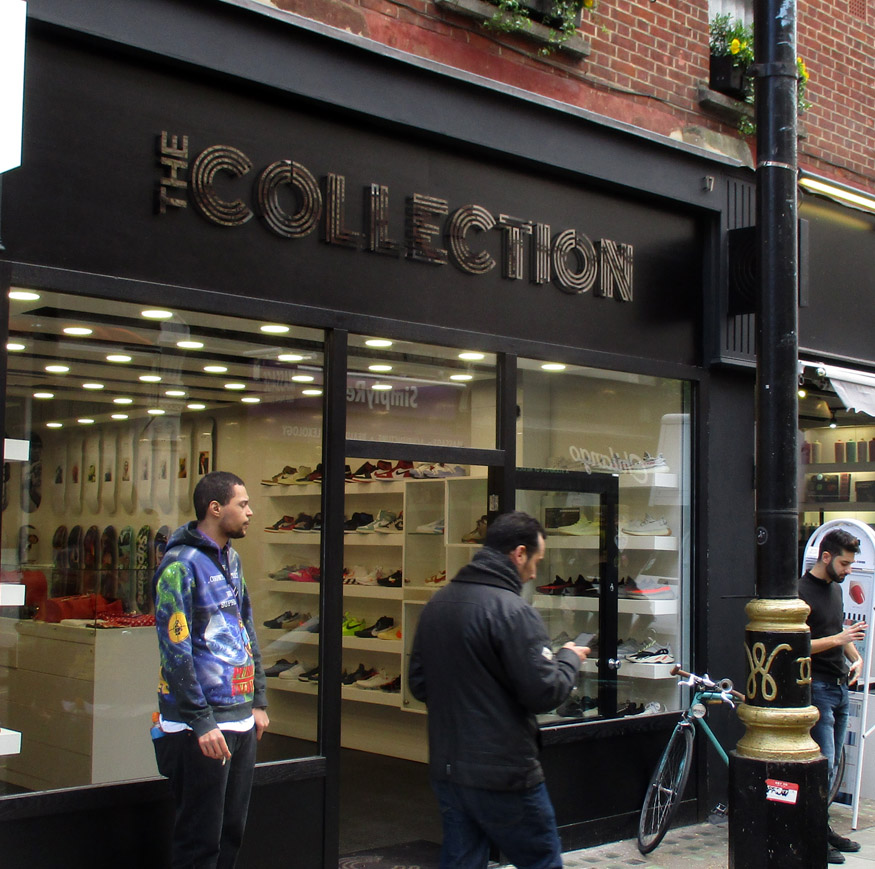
(831, 573)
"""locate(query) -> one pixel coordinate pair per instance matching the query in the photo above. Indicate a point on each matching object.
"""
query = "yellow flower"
(803, 70)
(734, 46)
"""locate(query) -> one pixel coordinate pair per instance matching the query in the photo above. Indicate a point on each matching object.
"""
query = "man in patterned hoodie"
(211, 694)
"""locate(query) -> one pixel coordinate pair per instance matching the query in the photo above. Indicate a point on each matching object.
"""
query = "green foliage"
(512, 16)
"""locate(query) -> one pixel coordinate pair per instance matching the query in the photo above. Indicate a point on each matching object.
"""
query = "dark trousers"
(521, 823)
(211, 799)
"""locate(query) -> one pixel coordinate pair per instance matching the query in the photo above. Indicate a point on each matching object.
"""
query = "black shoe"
(382, 624)
(841, 843)
(833, 855)
(279, 666)
(281, 620)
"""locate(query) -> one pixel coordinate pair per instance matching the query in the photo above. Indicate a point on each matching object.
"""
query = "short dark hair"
(509, 530)
(216, 486)
(838, 541)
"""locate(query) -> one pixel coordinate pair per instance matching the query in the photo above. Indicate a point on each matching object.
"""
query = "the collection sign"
(434, 231)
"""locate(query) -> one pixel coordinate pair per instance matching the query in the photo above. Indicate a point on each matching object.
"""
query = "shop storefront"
(369, 290)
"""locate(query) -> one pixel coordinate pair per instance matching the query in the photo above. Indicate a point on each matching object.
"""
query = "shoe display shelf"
(347, 692)
(628, 670)
(377, 592)
(648, 480)
(658, 607)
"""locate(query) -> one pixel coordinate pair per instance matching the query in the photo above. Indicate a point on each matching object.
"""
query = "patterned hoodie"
(210, 664)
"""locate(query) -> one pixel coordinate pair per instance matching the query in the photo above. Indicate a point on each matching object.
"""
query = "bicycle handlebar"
(724, 686)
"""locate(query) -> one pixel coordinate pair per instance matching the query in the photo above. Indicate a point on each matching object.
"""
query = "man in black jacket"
(482, 663)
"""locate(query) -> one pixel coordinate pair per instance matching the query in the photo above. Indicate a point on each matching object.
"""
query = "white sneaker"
(293, 672)
(582, 528)
(385, 518)
(436, 527)
(375, 682)
(649, 526)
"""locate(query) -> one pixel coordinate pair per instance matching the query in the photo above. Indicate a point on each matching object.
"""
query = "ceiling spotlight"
(274, 328)
(303, 378)
(118, 357)
(85, 421)
(195, 406)
(472, 356)
(23, 295)
(378, 342)
(290, 357)
(380, 368)
(123, 401)
(215, 369)
(44, 395)
(119, 416)
(832, 420)
(54, 425)
(235, 386)
(156, 314)
(175, 393)
(12, 346)
(94, 386)
(156, 411)
(57, 369)
(382, 387)
(461, 377)
(802, 393)
(77, 331)
(553, 366)
(250, 399)
(190, 345)
(311, 392)
(150, 378)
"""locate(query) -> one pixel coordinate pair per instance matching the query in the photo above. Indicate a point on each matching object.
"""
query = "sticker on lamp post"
(781, 791)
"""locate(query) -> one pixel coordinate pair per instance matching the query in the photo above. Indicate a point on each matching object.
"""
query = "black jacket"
(482, 663)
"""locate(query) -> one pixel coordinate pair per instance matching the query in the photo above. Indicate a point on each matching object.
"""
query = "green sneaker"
(351, 624)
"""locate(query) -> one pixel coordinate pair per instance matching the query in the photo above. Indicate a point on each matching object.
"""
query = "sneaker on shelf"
(351, 574)
(283, 572)
(652, 655)
(350, 525)
(630, 708)
(370, 577)
(382, 624)
(286, 523)
(646, 588)
(478, 535)
(284, 478)
(583, 587)
(583, 527)
(392, 633)
(387, 472)
(364, 474)
(435, 527)
(558, 586)
(310, 477)
(306, 574)
(649, 526)
(625, 648)
(292, 673)
(361, 672)
(377, 681)
(556, 517)
(651, 463)
(394, 527)
(393, 687)
(303, 474)
(351, 624)
(309, 675)
(654, 707)
(419, 472)
(311, 626)
(278, 667)
(393, 580)
(317, 524)
(441, 470)
(304, 523)
(437, 578)
(385, 519)
(282, 621)
(402, 469)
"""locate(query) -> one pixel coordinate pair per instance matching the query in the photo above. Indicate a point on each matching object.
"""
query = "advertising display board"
(858, 591)
(13, 18)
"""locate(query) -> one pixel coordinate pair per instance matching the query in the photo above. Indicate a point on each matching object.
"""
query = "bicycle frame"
(691, 720)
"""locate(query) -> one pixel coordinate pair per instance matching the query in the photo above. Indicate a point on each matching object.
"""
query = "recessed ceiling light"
(85, 421)
(118, 357)
(311, 392)
(472, 356)
(378, 342)
(156, 411)
(150, 378)
(383, 387)
(195, 406)
(380, 368)
(274, 328)
(54, 425)
(57, 369)
(77, 331)
(290, 357)
(303, 378)
(175, 393)
(250, 399)
(156, 314)
(92, 386)
(44, 395)
(14, 345)
(461, 377)
(215, 369)
(190, 345)
(235, 386)
(23, 295)
(123, 401)
(119, 416)
(553, 366)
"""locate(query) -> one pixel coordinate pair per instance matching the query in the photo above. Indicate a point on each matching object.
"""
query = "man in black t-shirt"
(832, 647)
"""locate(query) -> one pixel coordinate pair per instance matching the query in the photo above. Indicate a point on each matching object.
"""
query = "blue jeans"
(521, 823)
(830, 729)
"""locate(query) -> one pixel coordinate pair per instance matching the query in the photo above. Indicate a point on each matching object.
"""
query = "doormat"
(420, 854)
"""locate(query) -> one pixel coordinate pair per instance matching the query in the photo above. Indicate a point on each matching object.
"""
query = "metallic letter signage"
(568, 259)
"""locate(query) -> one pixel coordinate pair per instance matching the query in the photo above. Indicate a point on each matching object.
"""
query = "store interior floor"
(384, 801)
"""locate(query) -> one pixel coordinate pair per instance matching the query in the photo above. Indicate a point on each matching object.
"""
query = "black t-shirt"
(825, 619)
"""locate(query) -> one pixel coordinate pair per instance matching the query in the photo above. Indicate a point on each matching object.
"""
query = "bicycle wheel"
(840, 775)
(665, 789)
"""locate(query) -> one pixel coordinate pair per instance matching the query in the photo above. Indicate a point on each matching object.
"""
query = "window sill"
(729, 109)
(576, 47)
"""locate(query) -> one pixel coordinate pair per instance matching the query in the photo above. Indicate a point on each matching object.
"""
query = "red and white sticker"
(781, 791)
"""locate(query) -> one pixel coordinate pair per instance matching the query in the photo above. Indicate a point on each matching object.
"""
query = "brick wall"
(648, 59)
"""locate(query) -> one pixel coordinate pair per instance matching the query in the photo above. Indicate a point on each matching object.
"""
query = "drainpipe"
(777, 776)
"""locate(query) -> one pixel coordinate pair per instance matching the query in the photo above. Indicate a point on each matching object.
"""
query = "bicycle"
(670, 778)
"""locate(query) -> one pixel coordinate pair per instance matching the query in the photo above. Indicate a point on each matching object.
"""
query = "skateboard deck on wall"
(204, 451)
(142, 553)
(108, 562)
(109, 454)
(7, 473)
(74, 548)
(162, 535)
(32, 477)
(73, 491)
(126, 469)
(56, 468)
(183, 468)
(59, 548)
(163, 436)
(145, 469)
(27, 541)
(91, 467)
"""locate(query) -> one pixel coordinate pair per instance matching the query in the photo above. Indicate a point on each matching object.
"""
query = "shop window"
(114, 411)
(614, 498)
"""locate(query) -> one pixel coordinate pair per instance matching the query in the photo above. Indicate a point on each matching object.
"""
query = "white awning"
(855, 388)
